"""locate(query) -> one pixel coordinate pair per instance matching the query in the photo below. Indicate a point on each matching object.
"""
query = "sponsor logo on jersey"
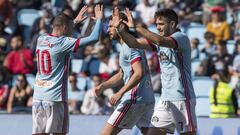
(43, 83)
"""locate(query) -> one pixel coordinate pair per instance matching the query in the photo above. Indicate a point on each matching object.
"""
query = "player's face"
(163, 26)
(111, 30)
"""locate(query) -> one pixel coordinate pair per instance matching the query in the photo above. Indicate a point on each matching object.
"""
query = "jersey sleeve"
(182, 42)
(134, 56)
(70, 44)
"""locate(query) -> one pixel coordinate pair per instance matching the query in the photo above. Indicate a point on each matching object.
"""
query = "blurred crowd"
(22, 21)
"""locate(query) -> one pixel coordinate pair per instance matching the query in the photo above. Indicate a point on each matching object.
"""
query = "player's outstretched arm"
(94, 36)
(80, 17)
(129, 39)
(155, 38)
(114, 81)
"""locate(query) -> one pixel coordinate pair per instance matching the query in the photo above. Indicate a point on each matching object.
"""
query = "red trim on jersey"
(135, 60)
(52, 35)
(151, 45)
(186, 91)
(174, 41)
(76, 45)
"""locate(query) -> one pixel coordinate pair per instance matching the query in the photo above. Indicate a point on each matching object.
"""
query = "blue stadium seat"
(196, 31)
(84, 83)
(203, 107)
(231, 46)
(195, 65)
(202, 86)
(27, 16)
(76, 65)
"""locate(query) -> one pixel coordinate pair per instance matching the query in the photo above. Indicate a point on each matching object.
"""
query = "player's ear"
(173, 24)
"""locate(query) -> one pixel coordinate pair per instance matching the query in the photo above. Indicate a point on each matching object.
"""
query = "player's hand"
(98, 90)
(130, 22)
(116, 21)
(115, 98)
(98, 10)
(80, 17)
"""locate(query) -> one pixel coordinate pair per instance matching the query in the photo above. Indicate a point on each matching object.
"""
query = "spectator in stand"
(145, 12)
(75, 95)
(207, 6)
(96, 105)
(209, 47)
(194, 49)
(235, 68)
(20, 59)
(43, 22)
(6, 11)
(218, 25)
(4, 37)
(222, 97)
(20, 98)
(219, 61)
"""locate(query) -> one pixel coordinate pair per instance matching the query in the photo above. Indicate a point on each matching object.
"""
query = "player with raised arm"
(176, 108)
(135, 99)
(50, 107)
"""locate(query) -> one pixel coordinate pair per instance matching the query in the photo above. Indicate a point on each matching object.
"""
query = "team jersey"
(175, 67)
(52, 61)
(143, 91)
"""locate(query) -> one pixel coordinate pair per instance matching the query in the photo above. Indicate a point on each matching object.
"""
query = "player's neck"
(57, 33)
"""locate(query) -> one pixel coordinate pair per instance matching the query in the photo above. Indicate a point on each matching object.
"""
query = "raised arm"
(129, 39)
(94, 36)
(155, 38)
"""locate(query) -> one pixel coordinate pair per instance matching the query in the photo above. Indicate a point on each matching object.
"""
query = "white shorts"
(169, 115)
(127, 115)
(50, 117)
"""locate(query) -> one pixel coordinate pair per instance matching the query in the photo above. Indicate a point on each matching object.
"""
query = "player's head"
(63, 24)
(166, 21)
(111, 30)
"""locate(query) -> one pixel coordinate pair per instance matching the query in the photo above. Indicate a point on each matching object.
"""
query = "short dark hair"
(222, 43)
(169, 14)
(62, 20)
(208, 35)
(73, 74)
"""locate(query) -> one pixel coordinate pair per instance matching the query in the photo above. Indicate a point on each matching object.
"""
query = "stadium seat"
(202, 86)
(203, 107)
(84, 83)
(196, 31)
(27, 16)
(231, 46)
(195, 65)
(76, 65)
